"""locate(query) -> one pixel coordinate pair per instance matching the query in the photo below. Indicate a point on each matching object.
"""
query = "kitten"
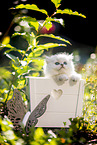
(60, 67)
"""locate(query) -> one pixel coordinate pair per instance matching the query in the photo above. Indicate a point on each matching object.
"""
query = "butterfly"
(16, 111)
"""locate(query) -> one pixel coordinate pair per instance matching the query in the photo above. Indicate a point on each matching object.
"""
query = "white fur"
(59, 74)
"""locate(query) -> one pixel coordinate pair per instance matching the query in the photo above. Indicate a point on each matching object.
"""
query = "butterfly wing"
(16, 110)
(36, 113)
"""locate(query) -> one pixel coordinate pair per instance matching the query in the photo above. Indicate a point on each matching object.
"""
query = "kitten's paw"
(66, 78)
(75, 78)
(63, 78)
(60, 79)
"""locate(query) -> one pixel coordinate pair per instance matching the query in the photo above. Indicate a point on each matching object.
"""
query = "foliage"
(90, 96)
(79, 132)
(7, 135)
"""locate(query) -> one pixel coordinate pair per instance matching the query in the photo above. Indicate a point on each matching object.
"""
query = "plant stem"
(6, 33)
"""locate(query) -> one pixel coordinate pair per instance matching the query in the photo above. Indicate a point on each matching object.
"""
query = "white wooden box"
(58, 110)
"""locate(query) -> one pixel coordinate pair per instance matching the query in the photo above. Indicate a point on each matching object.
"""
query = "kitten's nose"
(61, 64)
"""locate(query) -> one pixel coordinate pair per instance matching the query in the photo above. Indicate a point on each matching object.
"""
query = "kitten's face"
(61, 63)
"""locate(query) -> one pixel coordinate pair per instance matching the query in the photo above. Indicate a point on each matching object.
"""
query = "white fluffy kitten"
(60, 67)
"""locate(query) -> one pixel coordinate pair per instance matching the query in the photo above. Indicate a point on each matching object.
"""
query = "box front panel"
(47, 85)
(58, 110)
(54, 119)
(62, 105)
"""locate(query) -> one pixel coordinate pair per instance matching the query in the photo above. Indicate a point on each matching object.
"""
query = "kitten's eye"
(65, 63)
(57, 63)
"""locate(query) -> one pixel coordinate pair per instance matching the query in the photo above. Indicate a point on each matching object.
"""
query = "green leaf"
(36, 74)
(8, 46)
(48, 25)
(56, 3)
(21, 51)
(38, 64)
(69, 12)
(4, 73)
(18, 34)
(32, 22)
(38, 53)
(6, 40)
(48, 22)
(47, 46)
(31, 7)
(55, 37)
(50, 45)
(60, 21)
(24, 70)
(33, 39)
(39, 133)
(12, 49)
(12, 57)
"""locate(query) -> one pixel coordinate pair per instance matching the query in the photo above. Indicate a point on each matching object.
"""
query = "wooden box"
(59, 108)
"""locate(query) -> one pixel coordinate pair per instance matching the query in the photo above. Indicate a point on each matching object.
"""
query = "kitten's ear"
(71, 56)
(47, 59)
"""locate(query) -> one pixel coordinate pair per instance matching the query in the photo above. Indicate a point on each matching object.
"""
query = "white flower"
(9, 134)
(24, 63)
(20, 142)
(52, 134)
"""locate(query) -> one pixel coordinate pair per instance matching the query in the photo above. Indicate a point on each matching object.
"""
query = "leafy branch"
(47, 22)
(31, 61)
